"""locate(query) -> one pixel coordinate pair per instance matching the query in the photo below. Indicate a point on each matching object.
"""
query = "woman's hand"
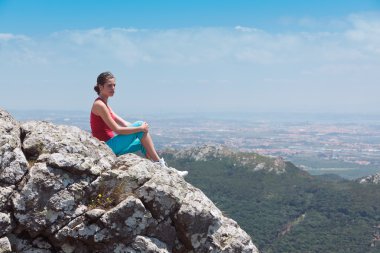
(144, 127)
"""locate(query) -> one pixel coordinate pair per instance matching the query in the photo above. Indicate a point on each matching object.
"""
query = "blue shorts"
(127, 143)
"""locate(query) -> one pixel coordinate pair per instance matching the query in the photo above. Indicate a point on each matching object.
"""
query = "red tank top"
(99, 128)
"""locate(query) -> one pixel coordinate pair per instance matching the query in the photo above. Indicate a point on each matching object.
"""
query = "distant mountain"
(373, 179)
(282, 207)
(218, 152)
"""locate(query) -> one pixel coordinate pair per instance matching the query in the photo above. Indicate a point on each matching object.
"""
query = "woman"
(130, 137)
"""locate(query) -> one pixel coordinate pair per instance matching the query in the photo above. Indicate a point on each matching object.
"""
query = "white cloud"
(196, 61)
(246, 29)
(132, 46)
(366, 31)
(10, 36)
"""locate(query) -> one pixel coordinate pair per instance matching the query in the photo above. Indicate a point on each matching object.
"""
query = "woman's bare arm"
(101, 110)
(119, 120)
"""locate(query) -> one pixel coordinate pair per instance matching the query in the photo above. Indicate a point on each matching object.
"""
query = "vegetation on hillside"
(292, 211)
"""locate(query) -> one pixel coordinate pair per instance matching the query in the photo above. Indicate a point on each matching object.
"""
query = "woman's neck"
(104, 98)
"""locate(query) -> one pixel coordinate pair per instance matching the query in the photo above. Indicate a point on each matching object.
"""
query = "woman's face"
(108, 89)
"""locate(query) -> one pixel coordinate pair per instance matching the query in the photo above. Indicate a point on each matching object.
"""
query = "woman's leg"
(122, 144)
(147, 142)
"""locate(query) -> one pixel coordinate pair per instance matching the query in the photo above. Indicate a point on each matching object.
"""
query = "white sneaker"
(164, 165)
(182, 173)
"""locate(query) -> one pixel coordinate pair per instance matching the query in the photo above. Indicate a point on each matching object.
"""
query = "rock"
(196, 220)
(5, 193)
(5, 223)
(5, 245)
(66, 147)
(38, 245)
(50, 198)
(13, 164)
(95, 214)
(61, 190)
(229, 237)
(372, 179)
(205, 152)
(145, 244)
(162, 194)
(219, 152)
(73, 163)
(127, 220)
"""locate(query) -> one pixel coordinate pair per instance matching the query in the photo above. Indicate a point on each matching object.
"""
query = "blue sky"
(192, 56)
(45, 16)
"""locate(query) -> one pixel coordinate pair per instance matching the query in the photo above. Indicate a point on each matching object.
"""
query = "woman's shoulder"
(99, 102)
(98, 106)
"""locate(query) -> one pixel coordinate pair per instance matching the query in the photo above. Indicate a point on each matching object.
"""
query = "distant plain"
(347, 145)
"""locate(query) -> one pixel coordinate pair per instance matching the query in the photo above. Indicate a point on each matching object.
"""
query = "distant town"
(347, 146)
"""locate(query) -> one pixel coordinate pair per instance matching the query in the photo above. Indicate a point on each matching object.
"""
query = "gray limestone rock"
(13, 164)
(229, 238)
(61, 190)
(50, 198)
(144, 244)
(372, 179)
(94, 214)
(66, 147)
(5, 193)
(37, 245)
(205, 152)
(5, 245)
(197, 219)
(5, 223)
(163, 193)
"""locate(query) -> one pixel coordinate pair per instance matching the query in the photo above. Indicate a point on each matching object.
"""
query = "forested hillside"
(283, 208)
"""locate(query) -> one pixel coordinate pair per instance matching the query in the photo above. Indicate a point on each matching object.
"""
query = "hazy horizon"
(349, 141)
(248, 116)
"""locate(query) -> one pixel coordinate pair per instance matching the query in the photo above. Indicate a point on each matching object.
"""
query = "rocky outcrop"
(63, 191)
(372, 179)
(210, 152)
(205, 152)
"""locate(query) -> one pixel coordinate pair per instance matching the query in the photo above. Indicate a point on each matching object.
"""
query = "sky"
(192, 56)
